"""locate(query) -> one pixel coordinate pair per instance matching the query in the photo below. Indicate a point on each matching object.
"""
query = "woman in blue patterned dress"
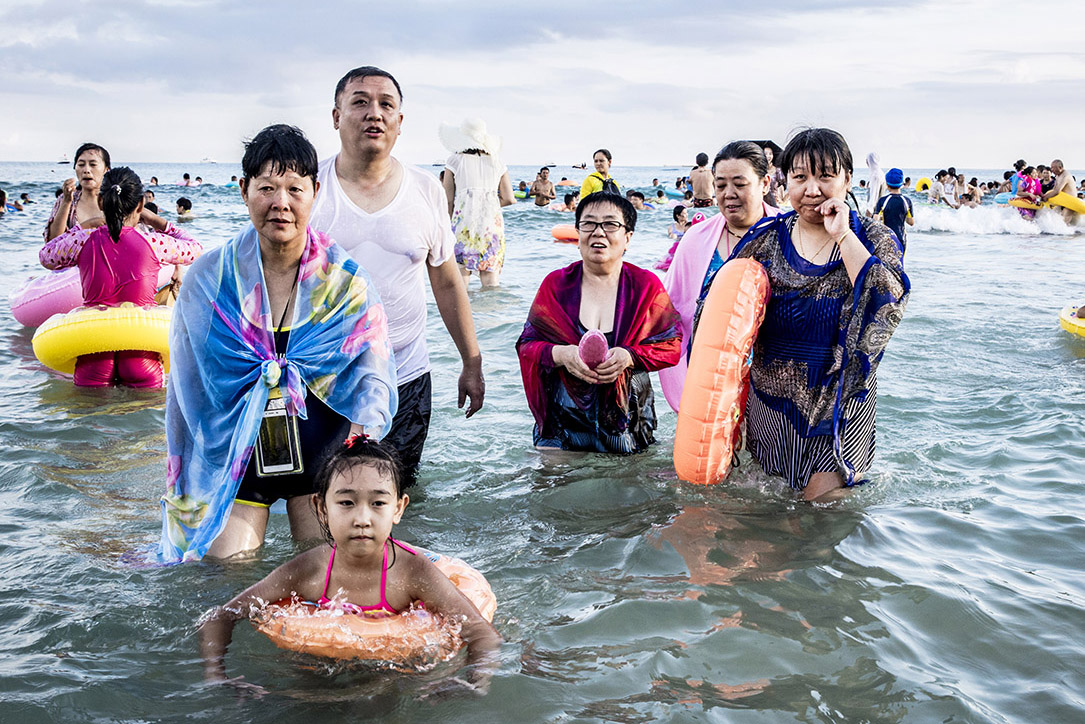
(838, 292)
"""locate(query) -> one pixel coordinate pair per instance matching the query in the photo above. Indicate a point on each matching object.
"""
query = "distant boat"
(63, 161)
(208, 159)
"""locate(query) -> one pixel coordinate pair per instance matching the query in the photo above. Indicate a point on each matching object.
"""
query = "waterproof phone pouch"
(278, 449)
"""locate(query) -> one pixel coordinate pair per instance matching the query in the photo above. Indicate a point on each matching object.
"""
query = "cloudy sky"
(970, 83)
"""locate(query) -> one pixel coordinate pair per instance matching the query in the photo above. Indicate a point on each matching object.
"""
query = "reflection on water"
(947, 590)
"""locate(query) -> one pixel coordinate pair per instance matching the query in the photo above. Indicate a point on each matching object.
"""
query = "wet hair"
(58, 192)
(605, 153)
(907, 179)
(363, 72)
(823, 148)
(185, 176)
(184, 203)
(3, 199)
(148, 191)
(151, 206)
(677, 212)
(284, 147)
(702, 159)
(92, 147)
(629, 214)
(1019, 164)
(637, 195)
(688, 195)
(569, 198)
(154, 179)
(744, 151)
(359, 451)
(121, 193)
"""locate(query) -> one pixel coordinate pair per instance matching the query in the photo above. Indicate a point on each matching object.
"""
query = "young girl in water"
(361, 570)
(119, 263)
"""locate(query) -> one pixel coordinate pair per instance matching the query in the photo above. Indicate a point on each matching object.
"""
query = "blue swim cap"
(894, 178)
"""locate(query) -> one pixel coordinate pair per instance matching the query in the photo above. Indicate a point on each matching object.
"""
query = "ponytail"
(121, 193)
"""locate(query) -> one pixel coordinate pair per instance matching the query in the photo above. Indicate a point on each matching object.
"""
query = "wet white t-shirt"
(392, 244)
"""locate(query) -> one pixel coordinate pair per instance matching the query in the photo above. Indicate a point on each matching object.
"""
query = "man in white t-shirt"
(393, 220)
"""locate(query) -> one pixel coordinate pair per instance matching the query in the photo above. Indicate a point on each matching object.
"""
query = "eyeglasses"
(609, 227)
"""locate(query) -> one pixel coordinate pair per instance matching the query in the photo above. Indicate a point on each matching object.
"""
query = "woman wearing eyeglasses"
(608, 407)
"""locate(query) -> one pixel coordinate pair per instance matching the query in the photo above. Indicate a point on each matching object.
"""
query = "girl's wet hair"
(678, 212)
(121, 193)
(92, 147)
(360, 450)
(823, 149)
(747, 151)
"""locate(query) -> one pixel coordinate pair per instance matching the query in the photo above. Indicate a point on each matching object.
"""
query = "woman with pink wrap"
(741, 177)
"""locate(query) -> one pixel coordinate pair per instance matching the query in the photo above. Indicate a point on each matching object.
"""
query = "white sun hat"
(468, 135)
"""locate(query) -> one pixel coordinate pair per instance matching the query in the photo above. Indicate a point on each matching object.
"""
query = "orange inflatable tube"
(412, 638)
(717, 382)
(565, 233)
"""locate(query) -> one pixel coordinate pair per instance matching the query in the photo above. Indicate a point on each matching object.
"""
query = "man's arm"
(451, 296)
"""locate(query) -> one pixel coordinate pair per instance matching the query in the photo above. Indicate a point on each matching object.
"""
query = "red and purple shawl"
(645, 323)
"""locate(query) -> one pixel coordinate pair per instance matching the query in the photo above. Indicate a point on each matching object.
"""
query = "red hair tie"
(351, 439)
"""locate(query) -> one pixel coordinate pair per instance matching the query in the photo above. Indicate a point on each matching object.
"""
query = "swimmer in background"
(680, 225)
(543, 189)
(186, 180)
(24, 199)
(154, 181)
(568, 205)
(359, 497)
(687, 199)
(637, 199)
(198, 181)
(148, 196)
(232, 183)
(184, 210)
(5, 206)
(907, 183)
(701, 179)
(1063, 183)
(660, 198)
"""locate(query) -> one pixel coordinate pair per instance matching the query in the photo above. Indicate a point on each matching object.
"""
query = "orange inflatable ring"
(408, 640)
(717, 382)
(565, 233)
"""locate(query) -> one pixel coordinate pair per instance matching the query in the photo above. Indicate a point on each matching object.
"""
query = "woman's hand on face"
(836, 217)
(68, 188)
(614, 365)
(568, 356)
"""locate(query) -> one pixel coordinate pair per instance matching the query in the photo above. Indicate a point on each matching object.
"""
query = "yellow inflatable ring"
(1067, 201)
(1072, 323)
(406, 640)
(923, 184)
(65, 337)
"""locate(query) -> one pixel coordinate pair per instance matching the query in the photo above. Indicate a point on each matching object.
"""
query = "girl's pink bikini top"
(383, 606)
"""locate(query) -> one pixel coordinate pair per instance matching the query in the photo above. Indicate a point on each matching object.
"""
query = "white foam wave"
(990, 219)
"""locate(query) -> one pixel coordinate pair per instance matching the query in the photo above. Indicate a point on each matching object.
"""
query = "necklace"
(802, 243)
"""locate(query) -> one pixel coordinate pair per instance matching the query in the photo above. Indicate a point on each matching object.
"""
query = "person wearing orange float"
(838, 292)
(359, 497)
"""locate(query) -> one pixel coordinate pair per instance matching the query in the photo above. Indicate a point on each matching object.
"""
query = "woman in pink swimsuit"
(120, 263)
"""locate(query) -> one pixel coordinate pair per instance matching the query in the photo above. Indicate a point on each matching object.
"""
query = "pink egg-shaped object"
(593, 348)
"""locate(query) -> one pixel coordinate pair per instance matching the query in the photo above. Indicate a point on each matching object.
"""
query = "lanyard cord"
(282, 319)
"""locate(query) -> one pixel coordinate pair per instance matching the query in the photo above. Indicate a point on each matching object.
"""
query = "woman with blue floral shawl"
(279, 349)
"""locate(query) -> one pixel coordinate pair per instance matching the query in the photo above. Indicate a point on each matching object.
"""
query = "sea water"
(949, 589)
